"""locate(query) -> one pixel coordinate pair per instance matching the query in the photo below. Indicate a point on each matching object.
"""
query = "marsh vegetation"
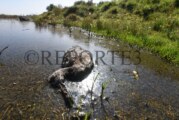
(148, 24)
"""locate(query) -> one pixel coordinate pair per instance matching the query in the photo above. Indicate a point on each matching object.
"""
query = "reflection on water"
(26, 94)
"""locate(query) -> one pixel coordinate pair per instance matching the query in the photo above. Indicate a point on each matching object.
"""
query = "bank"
(151, 25)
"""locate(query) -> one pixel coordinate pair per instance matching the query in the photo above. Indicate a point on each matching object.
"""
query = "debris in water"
(112, 91)
(106, 98)
(80, 116)
(114, 79)
(3, 49)
(14, 83)
(135, 74)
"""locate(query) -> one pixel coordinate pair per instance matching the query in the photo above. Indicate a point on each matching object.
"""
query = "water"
(25, 93)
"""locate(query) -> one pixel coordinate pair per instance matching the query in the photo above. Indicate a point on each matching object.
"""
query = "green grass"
(149, 24)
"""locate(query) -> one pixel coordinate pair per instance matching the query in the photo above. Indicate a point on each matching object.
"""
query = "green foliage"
(152, 24)
(79, 3)
(130, 6)
(82, 12)
(105, 6)
(70, 10)
(57, 11)
(99, 24)
(87, 23)
(155, 1)
(173, 35)
(104, 85)
(91, 10)
(147, 11)
(50, 7)
(158, 25)
(176, 3)
(113, 10)
(72, 17)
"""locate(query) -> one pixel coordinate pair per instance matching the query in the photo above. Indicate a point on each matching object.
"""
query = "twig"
(93, 86)
(3, 49)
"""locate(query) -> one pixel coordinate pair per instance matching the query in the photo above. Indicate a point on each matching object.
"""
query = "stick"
(3, 50)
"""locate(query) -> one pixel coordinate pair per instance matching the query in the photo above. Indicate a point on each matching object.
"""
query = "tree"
(50, 7)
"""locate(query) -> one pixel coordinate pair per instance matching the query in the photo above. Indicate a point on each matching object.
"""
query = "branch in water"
(3, 50)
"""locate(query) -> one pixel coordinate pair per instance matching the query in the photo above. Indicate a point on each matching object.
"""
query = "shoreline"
(118, 39)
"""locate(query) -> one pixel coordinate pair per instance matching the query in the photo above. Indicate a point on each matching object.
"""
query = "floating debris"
(14, 83)
(112, 91)
(94, 98)
(106, 98)
(1, 51)
(80, 116)
(135, 74)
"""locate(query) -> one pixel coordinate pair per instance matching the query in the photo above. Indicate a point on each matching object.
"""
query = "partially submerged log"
(77, 63)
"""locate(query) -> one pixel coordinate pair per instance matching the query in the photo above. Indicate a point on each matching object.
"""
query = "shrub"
(147, 11)
(79, 3)
(173, 35)
(158, 25)
(70, 10)
(82, 12)
(130, 6)
(176, 3)
(50, 7)
(99, 24)
(57, 11)
(67, 22)
(105, 6)
(155, 1)
(95, 15)
(87, 23)
(113, 11)
(72, 17)
(91, 9)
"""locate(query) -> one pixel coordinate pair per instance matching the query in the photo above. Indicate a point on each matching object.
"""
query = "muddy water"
(25, 94)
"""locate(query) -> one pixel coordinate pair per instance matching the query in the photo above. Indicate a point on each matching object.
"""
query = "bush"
(155, 1)
(87, 23)
(173, 35)
(57, 11)
(79, 3)
(70, 10)
(113, 11)
(72, 17)
(105, 6)
(130, 6)
(50, 7)
(82, 12)
(91, 9)
(95, 15)
(99, 24)
(66, 23)
(147, 11)
(158, 25)
(177, 3)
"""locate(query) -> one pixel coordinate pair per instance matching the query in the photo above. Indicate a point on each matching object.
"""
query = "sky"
(29, 7)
